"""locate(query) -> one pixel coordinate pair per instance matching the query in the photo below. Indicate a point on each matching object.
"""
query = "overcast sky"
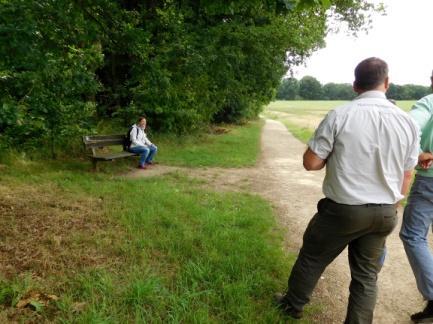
(403, 38)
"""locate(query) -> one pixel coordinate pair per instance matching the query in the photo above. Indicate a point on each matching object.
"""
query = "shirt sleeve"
(421, 111)
(322, 142)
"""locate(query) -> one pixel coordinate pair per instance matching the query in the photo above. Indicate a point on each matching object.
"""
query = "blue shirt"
(422, 113)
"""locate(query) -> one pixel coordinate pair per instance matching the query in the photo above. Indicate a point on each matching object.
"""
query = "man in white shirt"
(140, 144)
(369, 148)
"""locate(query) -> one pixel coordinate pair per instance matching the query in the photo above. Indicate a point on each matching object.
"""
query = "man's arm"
(406, 182)
(321, 144)
(312, 162)
(421, 111)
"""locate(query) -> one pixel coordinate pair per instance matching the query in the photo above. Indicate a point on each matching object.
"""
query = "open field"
(302, 117)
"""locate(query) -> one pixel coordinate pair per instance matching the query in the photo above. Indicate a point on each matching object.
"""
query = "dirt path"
(280, 178)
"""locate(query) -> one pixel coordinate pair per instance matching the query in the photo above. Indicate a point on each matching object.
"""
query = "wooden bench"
(97, 142)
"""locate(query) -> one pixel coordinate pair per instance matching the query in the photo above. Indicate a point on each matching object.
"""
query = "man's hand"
(425, 160)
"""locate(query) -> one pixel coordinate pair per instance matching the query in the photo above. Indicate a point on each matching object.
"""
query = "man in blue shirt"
(418, 214)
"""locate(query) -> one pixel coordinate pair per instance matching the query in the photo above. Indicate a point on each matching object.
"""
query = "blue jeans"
(146, 153)
(417, 219)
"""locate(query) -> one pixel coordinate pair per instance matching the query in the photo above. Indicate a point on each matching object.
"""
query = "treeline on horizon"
(69, 66)
(309, 88)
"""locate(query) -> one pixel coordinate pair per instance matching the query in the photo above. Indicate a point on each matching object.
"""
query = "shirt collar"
(372, 94)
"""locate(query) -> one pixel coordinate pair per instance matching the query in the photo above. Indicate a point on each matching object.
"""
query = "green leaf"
(326, 3)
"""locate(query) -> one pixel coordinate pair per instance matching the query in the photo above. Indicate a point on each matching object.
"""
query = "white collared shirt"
(368, 144)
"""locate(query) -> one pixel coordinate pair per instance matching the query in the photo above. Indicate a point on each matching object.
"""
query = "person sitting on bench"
(140, 144)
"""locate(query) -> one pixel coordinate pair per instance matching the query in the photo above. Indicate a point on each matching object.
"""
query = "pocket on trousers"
(320, 204)
(389, 222)
(326, 207)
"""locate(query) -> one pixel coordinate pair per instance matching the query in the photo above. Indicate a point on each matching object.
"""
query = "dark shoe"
(284, 305)
(142, 167)
(426, 316)
(152, 163)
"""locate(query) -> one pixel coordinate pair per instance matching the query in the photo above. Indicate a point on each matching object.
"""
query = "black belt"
(366, 205)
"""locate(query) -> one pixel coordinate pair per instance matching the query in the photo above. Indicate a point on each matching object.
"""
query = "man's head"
(371, 74)
(141, 122)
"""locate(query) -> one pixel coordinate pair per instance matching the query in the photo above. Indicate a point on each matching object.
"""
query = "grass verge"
(302, 133)
(115, 250)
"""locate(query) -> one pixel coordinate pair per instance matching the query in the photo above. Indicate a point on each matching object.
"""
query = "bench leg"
(95, 165)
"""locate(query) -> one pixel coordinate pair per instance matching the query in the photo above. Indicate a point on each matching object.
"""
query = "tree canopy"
(310, 88)
(68, 63)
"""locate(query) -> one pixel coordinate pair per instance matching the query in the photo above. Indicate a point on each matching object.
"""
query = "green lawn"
(107, 249)
(239, 146)
(405, 104)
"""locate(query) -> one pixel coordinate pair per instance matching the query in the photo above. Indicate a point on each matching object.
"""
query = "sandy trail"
(280, 178)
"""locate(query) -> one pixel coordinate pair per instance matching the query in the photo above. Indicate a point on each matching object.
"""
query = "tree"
(49, 56)
(310, 88)
(288, 89)
(191, 62)
(394, 92)
(407, 91)
(338, 91)
(184, 64)
(416, 92)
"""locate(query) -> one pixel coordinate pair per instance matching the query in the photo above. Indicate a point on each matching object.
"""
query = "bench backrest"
(99, 141)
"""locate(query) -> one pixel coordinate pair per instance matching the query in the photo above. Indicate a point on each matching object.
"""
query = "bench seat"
(97, 142)
(111, 156)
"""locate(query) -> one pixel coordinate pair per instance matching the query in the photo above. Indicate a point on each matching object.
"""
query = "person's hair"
(141, 118)
(370, 73)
